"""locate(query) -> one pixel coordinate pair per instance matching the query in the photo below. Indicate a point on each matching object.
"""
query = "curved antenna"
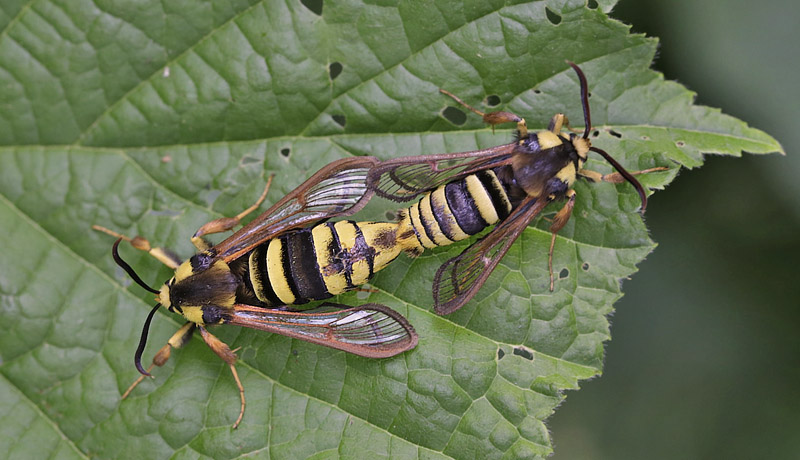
(127, 268)
(587, 118)
(628, 176)
(137, 358)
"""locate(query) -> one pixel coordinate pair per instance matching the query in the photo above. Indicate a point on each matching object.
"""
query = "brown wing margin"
(458, 279)
(405, 178)
(371, 330)
(338, 189)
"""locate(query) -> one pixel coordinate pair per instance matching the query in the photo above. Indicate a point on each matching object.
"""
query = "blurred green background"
(705, 356)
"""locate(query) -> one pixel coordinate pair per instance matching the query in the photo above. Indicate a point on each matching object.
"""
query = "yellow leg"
(559, 221)
(224, 351)
(615, 177)
(560, 121)
(224, 224)
(177, 340)
(163, 255)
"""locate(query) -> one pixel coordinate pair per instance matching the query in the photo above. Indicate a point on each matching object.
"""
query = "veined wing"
(371, 330)
(405, 178)
(338, 189)
(458, 279)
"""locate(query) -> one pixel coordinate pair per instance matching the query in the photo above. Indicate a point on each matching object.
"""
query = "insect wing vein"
(338, 189)
(371, 330)
(458, 279)
(405, 178)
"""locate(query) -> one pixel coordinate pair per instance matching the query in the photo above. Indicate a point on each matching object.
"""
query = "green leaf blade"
(157, 120)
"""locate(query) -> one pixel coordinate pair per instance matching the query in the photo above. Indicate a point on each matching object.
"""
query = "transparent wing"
(405, 178)
(458, 279)
(371, 330)
(338, 189)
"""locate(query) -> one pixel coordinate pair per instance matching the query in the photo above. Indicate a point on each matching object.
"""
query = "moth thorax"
(581, 147)
(215, 285)
(527, 174)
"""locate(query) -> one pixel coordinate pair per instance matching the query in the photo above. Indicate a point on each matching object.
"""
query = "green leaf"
(152, 118)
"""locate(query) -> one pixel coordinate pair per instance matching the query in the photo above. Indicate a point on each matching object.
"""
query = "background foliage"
(704, 353)
(153, 118)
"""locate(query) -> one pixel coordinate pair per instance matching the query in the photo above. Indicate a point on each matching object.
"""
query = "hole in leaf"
(680, 143)
(595, 133)
(314, 5)
(536, 91)
(564, 273)
(390, 215)
(519, 351)
(492, 100)
(285, 152)
(500, 353)
(645, 138)
(614, 133)
(340, 120)
(552, 16)
(585, 266)
(592, 4)
(334, 69)
(454, 116)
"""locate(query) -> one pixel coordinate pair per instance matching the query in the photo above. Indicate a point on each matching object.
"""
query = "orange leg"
(615, 177)
(177, 340)
(224, 351)
(223, 224)
(493, 118)
(559, 221)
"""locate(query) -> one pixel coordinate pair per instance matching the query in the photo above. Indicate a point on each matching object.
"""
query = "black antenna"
(127, 268)
(628, 176)
(588, 120)
(137, 358)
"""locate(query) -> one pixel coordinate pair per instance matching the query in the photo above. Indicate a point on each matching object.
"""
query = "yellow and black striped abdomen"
(331, 258)
(323, 261)
(459, 209)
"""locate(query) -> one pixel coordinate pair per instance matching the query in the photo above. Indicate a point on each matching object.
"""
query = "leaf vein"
(157, 72)
(44, 416)
(371, 78)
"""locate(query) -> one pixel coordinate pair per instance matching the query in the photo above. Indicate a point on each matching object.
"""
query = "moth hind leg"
(223, 224)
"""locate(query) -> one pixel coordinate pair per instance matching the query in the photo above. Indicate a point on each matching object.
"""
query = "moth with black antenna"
(249, 278)
(461, 194)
